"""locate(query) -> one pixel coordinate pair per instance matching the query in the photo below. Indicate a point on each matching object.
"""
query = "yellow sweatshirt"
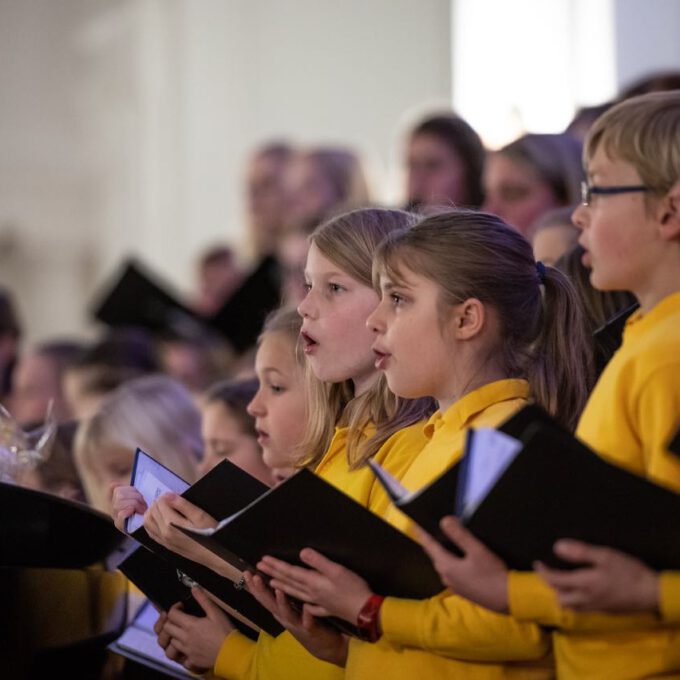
(448, 636)
(283, 658)
(630, 418)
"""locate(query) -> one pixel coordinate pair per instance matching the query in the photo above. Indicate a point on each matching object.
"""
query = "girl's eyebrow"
(391, 285)
(271, 369)
(333, 273)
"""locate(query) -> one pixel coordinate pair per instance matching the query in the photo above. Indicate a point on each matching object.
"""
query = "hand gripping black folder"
(556, 487)
(427, 506)
(40, 530)
(221, 492)
(306, 511)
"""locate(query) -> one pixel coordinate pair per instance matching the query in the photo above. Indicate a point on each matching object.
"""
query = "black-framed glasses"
(588, 191)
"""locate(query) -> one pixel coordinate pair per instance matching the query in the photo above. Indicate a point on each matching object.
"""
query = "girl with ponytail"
(469, 318)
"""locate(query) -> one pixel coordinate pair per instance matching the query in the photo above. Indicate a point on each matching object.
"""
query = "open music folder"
(521, 494)
(306, 511)
(166, 577)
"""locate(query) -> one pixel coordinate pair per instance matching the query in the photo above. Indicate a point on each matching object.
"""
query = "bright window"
(527, 65)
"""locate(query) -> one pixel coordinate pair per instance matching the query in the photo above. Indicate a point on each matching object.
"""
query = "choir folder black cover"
(306, 511)
(428, 505)
(138, 298)
(555, 487)
(221, 492)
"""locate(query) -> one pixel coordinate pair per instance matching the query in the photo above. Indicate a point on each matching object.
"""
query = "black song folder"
(521, 498)
(139, 298)
(306, 511)
(221, 492)
(427, 506)
(557, 487)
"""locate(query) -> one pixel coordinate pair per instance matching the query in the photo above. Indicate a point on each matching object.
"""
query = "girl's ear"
(670, 214)
(469, 319)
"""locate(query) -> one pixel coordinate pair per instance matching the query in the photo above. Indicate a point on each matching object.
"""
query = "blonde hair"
(349, 241)
(645, 132)
(154, 413)
(543, 336)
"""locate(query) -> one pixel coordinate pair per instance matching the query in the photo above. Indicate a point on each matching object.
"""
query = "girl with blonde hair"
(154, 413)
(351, 418)
(469, 318)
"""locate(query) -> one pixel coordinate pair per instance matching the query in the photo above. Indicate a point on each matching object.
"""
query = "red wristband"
(368, 620)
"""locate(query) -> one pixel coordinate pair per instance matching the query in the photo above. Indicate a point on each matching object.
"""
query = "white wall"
(648, 38)
(536, 63)
(125, 124)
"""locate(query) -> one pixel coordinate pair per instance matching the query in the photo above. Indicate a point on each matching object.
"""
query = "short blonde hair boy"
(638, 131)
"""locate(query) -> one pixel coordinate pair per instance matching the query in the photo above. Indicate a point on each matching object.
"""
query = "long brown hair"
(543, 336)
(349, 241)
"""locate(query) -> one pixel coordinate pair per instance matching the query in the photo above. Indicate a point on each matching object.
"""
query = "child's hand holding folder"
(477, 575)
(329, 588)
(612, 581)
(323, 641)
(127, 501)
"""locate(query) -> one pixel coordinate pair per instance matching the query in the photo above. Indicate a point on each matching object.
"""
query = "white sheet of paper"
(139, 637)
(492, 451)
(152, 480)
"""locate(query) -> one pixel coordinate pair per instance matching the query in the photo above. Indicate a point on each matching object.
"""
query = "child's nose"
(255, 407)
(374, 321)
(306, 307)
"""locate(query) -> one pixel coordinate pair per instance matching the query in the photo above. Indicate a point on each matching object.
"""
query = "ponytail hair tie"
(540, 269)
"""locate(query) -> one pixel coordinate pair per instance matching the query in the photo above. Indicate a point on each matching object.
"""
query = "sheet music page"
(152, 479)
(491, 453)
(140, 639)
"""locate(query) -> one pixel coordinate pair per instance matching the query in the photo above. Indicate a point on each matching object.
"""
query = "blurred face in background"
(35, 383)
(515, 192)
(292, 256)
(550, 243)
(435, 173)
(217, 280)
(224, 437)
(312, 195)
(267, 200)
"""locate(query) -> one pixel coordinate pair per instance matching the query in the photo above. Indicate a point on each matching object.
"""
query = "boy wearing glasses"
(630, 222)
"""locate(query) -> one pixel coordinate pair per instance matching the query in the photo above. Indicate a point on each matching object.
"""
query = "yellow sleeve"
(669, 595)
(451, 626)
(656, 412)
(530, 598)
(279, 658)
(236, 657)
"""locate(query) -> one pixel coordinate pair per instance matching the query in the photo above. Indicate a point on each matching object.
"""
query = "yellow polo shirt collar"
(459, 414)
